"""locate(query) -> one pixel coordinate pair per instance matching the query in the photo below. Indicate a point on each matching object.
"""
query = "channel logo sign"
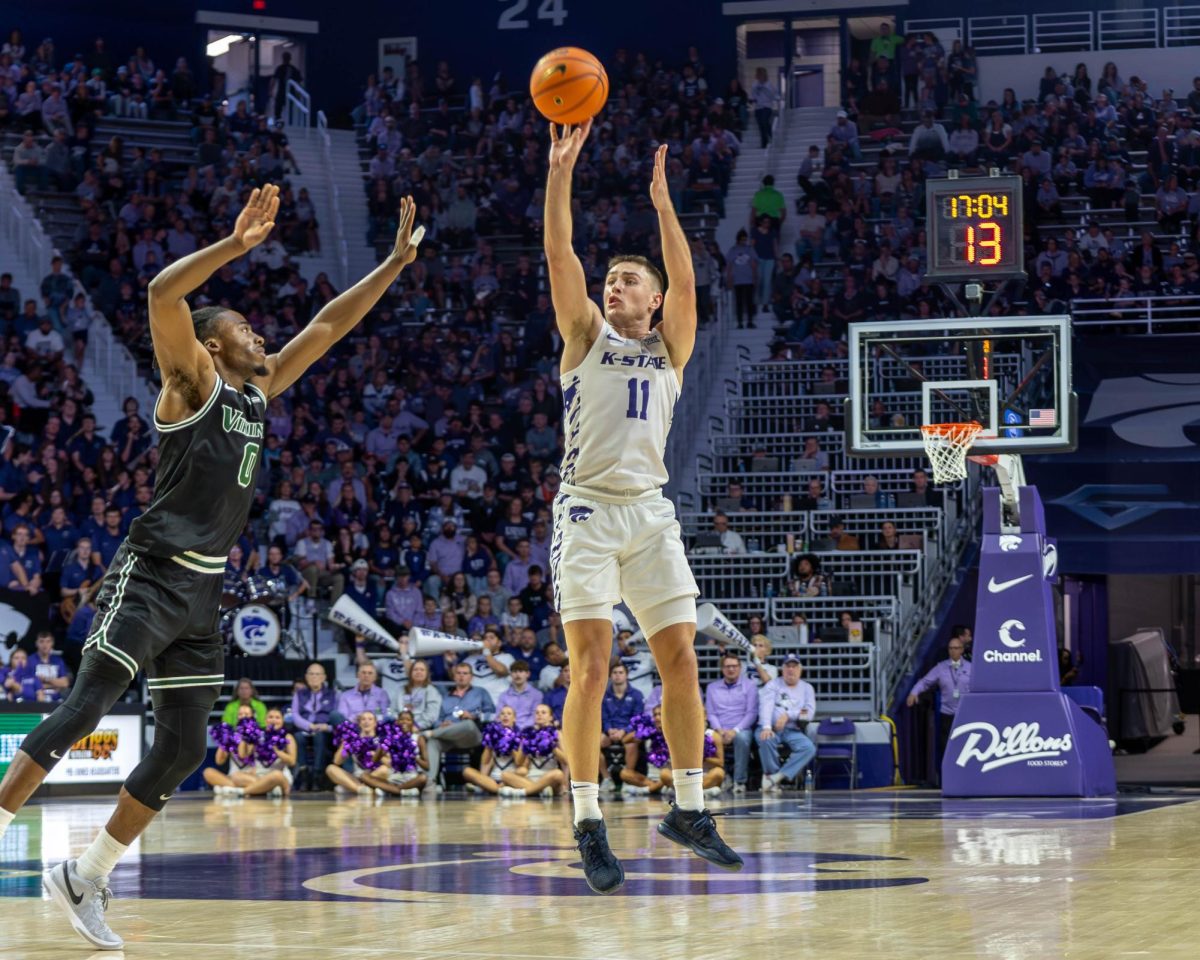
(1012, 636)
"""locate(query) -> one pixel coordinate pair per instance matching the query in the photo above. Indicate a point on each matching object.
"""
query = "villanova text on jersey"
(207, 467)
(235, 422)
(617, 410)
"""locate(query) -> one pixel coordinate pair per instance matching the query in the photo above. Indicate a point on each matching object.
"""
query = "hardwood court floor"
(892, 875)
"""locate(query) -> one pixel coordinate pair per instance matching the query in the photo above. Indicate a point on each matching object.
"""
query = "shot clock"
(976, 229)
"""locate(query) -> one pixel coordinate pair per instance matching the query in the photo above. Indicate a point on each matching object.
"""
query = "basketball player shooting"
(158, 605)
(615, 534)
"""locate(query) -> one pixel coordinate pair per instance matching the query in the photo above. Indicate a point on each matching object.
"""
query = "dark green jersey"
(207, 465)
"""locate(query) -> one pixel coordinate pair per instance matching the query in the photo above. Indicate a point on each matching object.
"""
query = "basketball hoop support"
(1010, 473)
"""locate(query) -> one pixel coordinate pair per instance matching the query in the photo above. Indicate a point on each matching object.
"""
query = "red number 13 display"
(975, 229)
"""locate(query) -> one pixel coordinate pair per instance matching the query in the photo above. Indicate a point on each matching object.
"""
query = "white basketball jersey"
(617, 410)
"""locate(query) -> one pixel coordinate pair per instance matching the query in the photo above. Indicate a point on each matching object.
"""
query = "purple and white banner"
(1016, 733)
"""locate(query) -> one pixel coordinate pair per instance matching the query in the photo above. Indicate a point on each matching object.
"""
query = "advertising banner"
(1015, 733)
(106, 756)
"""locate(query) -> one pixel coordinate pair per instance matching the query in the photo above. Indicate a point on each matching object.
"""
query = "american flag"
(1041, 418)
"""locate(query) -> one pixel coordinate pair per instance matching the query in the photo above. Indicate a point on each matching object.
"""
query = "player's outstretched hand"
(405, 251)
(660, 195)
(565, 146)
(257, 219)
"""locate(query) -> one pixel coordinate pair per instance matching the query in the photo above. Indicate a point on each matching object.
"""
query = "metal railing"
(105, 358)
(335, 201)
(827, 611)
(1180, 26)
(298, 103)
(783, 483)
(790, 446)
(1060, 32)
(929, 521)
(744, 574)
(771, 414)
(1068, 31)
(109, 359)
(23, 234)
(1121, 29)
(946, 29)
(1174, 315)
(845, 676)
(770, 528)
(689, 420)
(778, 126)
(999, 36)
(758, 485)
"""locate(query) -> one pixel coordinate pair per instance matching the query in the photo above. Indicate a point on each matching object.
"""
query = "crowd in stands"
(414, 467)
(496, 707)
(1109, 169)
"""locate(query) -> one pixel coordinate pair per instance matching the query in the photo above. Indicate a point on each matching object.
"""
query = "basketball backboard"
(1012, 375)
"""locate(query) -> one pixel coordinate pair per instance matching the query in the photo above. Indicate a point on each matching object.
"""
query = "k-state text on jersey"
(612, 359)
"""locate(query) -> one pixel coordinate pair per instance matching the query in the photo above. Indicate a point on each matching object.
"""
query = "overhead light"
(219, 47)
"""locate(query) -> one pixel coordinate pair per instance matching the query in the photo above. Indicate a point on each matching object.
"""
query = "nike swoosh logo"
(56, 755)
(76, 899)
(164, 796)
(694, 773)
(994, 587)
(613, 339)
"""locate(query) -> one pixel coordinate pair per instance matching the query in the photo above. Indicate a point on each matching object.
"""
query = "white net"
(946, 445)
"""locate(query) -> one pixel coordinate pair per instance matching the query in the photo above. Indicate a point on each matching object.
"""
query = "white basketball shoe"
(84, 902)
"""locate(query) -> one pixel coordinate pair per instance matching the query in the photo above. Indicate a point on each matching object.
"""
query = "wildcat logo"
(1148, 412)
(1049, 561)
(993, 748)
(254, 628)
(1009, 543)
(580, 514)
(255, 633)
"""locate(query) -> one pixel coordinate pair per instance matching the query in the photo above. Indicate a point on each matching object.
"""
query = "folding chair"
(836, 744)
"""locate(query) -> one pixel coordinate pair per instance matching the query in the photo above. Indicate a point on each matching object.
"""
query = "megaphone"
(429, 643)
(713, 623)
(348, 614)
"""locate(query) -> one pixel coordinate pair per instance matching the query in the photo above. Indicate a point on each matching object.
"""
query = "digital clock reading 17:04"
(976, 230)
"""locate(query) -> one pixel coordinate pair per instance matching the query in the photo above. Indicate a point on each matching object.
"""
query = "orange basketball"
(568, 85)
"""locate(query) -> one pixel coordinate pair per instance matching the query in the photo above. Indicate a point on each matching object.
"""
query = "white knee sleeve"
(588, 611)
(662, 615)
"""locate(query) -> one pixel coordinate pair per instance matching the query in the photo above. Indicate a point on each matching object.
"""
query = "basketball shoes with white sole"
(84, 902)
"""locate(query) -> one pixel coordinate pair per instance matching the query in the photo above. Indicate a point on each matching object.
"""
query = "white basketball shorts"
(605, 552)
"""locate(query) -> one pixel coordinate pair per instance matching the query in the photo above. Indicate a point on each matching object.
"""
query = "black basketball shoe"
(697, 830)
(603, 870)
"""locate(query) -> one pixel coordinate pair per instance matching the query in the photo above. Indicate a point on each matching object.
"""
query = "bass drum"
(253, 628)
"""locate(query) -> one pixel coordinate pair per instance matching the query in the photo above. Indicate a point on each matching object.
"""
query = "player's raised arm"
(678, 325)
(182, 358)
(343, 313)
(577, 316)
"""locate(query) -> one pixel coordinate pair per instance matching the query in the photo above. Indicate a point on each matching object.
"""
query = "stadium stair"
(106, 404)
(343, 172)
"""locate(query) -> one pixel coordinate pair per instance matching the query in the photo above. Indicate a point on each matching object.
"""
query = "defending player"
(615, 535)
(157, 609)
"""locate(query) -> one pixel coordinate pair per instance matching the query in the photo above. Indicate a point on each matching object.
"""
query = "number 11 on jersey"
(632, 413)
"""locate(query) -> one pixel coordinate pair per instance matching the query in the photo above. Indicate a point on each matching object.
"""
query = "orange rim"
(959, 434)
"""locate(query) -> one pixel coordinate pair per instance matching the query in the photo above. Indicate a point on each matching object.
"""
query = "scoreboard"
(976, 229)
